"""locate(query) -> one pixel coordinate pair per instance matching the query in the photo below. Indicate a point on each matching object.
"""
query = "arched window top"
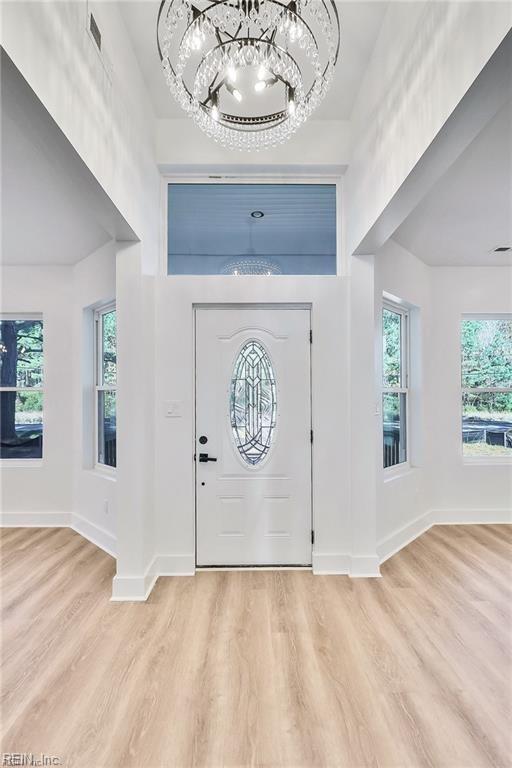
(253, 403)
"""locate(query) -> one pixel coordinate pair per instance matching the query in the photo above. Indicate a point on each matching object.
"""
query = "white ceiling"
(360, 24)
(468, 212)
(53, 211)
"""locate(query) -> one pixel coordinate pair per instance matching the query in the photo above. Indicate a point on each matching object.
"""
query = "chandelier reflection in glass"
(251, 265)
(249, 72)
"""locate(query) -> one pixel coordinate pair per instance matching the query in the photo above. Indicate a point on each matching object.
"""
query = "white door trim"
(304, 306)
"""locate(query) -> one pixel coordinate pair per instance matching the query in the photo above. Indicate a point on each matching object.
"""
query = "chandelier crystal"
(249, 72)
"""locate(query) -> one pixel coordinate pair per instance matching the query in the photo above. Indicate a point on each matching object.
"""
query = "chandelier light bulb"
(232, 73)
(260, 86)
(262, 72)
(237, 95)
(215, 112)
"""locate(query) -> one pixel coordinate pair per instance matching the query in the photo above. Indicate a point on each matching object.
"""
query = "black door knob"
(203, 457)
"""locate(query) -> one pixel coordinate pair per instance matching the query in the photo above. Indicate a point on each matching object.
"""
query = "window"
(486, 361)
(253, 403)
(251, 229)
(106, 380)
(395, 360)
(21, 388)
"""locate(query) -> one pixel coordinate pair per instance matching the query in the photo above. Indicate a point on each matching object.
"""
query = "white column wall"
(364, 420)
(135, 427)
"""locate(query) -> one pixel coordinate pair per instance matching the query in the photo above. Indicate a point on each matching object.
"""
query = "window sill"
(483, 461)
(397, 472)
(107, 473)
(21, 463)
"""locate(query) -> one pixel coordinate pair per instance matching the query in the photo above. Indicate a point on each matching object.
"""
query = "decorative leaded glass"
(253, 402)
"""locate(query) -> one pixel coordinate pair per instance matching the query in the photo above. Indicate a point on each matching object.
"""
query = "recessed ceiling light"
(257, 214)
(503, 248)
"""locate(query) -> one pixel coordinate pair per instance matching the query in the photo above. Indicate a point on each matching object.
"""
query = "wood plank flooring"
(267, 668)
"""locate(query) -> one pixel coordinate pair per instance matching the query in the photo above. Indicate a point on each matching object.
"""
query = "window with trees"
(395, 358)
(486, 361)
(21, 388)
(106, 382)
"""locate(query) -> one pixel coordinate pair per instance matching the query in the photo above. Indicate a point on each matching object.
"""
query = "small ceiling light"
(503, 248)
(257, 214)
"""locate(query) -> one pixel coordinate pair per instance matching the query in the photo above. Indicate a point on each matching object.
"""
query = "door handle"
(203, 457)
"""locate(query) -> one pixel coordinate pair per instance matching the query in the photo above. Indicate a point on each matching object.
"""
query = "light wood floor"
(260, 668)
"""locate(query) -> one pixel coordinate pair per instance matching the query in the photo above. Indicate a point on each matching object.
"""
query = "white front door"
(253, 436)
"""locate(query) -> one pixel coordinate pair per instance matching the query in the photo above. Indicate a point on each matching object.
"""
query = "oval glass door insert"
(253, 403)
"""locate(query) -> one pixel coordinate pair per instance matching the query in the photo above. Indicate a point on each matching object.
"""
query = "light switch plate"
(173, 409)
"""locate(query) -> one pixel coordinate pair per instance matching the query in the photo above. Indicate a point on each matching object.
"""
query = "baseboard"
(134, 588)
(330, 563)
(175, 565)
(400, 538)
(95, 534)
(472, 516)
(364, 566)
(35, 520)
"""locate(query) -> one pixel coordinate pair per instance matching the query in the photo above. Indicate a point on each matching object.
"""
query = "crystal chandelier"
(249, 72)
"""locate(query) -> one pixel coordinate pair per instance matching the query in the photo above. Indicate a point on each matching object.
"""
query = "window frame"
(36, 316)
(404, 388)
(336, 179)
(489, 460)
(99, 312)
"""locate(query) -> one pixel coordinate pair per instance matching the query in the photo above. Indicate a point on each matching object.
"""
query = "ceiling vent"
(98, 49)
(502, 249)
(95, 31)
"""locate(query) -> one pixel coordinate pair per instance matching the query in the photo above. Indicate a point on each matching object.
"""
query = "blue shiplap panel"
(210, 223)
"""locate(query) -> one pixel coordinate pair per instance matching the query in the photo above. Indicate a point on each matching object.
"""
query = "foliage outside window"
(21, 388)
(486, 360)
(106, 383)
(394, 384)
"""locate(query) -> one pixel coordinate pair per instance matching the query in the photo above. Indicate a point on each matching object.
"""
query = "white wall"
(174, 380)
(94, 490)
(317, 142)
(103, 108)
(404, 494)
(438, 486)
(105, 112)
(463, 490)
(42, 493)
(427, 56)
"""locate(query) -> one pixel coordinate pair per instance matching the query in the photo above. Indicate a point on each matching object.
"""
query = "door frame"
(305, 306)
